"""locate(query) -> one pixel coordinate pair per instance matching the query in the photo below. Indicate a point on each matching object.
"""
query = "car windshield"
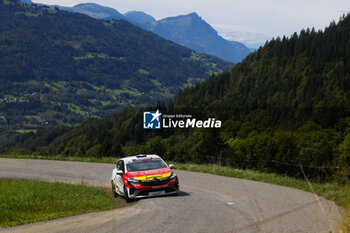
(145, 164)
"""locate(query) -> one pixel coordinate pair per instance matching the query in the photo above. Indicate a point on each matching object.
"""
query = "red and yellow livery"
(143, 176)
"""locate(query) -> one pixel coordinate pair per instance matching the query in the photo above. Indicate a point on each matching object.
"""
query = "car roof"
(141, 156)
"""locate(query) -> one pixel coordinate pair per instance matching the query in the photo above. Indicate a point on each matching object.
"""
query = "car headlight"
(172, 175)
(132, 180)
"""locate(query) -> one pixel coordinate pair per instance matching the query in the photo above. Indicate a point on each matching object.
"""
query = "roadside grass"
(346, 227)
(323, 189)
(23, 202)
(340, 194)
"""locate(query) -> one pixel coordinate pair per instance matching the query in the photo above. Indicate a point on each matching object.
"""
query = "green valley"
(59, 68)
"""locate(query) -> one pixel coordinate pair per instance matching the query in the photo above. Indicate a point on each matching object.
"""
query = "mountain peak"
(98, 11)
(88, 4)
(192, 22)
(139, 17)
(194, 32)
(135, 13)
(194, 15)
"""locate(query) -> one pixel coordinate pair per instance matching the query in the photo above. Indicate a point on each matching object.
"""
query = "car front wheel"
(126, 195)
(113, 190)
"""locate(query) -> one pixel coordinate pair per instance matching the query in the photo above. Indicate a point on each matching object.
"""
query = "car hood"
(159, 173)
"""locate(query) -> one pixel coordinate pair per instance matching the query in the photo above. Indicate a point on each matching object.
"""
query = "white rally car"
(143, 176)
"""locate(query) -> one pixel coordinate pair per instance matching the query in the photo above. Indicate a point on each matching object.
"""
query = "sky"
(249, 21)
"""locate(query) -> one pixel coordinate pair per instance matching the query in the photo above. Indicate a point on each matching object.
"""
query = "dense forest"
(285, 109)
(60, 68)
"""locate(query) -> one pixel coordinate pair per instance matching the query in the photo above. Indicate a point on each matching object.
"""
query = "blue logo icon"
(151, 120)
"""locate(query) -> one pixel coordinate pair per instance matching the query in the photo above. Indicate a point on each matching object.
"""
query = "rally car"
(143, 176)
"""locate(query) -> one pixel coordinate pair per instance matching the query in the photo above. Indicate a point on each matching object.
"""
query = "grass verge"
(340, 194)
(23, 202)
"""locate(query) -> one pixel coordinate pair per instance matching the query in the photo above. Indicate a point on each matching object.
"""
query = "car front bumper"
(153, 191)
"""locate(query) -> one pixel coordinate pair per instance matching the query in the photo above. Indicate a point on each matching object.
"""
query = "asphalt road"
(207, 203)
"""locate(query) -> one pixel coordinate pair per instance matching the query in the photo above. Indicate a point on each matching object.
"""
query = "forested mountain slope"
(288, 102)
(59, 68)
(306, 72)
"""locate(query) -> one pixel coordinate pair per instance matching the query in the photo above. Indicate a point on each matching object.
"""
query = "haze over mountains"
(188, 30)
(193, 32)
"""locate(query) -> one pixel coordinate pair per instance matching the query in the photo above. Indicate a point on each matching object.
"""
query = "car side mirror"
(171, 166)
(119, 172)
